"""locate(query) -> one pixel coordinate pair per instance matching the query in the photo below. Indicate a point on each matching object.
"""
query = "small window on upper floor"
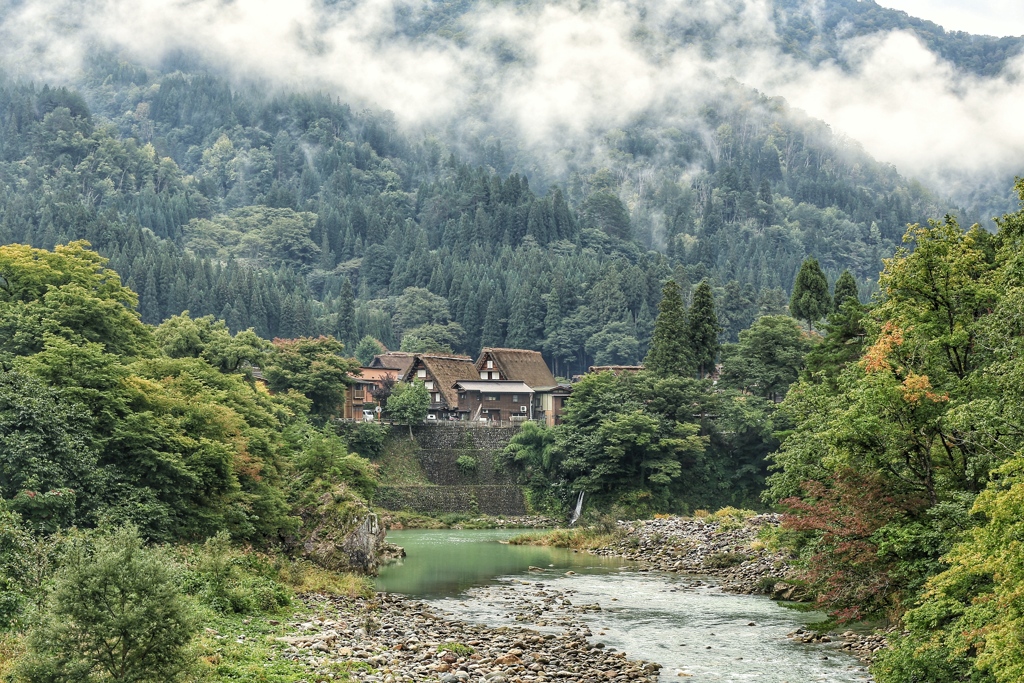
(421, 373)
(490, 364)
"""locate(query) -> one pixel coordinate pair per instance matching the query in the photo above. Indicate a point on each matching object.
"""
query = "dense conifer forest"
(294, 215)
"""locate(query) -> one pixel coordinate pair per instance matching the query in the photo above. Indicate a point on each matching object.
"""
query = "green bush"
(725, 560)
(231, 581)
(368, 438)
(467, 464)
(115, 614)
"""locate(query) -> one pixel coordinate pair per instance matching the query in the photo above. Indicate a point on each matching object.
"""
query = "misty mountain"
(570, 161)
(820, 31)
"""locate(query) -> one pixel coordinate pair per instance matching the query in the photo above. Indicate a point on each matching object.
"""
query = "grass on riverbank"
(582, 538)
(405, 519)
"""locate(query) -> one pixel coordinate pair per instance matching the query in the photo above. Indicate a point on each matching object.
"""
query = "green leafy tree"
(115, 615)
(702, 329)
(316, 367)
(418, 306)
(810, 301)
(409, 403)
(670, 354)
(431, 338)
(47, 457)
(768, 357)
(182, 336)
(532, 457)
(366, 349)
(70, 293)
(613, 345)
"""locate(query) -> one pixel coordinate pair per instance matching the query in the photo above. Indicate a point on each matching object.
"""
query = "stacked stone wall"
(500, 501)
(483, 489)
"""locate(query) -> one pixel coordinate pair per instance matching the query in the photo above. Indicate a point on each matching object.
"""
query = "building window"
(515, 398)
(429, 385)
(421, 373)
(492, 397)
(437, 398)
(490, 364)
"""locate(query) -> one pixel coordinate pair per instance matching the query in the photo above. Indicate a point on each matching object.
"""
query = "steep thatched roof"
(446, 371)
(520, 364)
(399, 361)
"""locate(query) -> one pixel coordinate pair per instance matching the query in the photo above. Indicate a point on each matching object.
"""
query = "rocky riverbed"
(729, 550)
(389, 639)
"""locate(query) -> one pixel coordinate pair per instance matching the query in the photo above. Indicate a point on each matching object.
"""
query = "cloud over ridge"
(556, 71)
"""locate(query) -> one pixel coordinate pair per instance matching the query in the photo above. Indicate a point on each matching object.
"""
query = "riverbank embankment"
(390, 639)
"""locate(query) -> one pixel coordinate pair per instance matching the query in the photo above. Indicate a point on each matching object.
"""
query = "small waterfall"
(578, 511)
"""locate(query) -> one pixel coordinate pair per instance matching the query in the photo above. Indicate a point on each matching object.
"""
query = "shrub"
(725, 560)
(115, 614)
(368, 439)
(233, 581)
(457, 649)
(467, 464)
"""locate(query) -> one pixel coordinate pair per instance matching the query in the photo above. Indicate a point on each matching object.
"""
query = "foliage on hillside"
(296, 216)
(106, 421)
(902, 475)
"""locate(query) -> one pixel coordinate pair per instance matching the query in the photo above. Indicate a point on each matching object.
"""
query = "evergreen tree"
(346, 315)
(366, 349)
(669, 354)
(810, 301)
(492, 334)
(116, 615)
(846, 288)
(702, 329)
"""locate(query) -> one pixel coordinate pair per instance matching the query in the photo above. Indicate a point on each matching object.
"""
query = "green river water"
(697, 632)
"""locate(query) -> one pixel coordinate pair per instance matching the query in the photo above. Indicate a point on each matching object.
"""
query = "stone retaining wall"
(442, 445)
(503, 501)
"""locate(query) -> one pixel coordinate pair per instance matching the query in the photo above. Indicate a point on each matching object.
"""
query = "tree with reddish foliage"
(850, 575)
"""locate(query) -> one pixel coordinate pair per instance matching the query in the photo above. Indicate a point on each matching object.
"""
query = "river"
(697, 632)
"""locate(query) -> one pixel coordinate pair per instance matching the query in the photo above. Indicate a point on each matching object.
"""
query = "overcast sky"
(989, 17)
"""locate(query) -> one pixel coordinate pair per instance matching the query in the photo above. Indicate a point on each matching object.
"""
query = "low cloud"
(553, 74)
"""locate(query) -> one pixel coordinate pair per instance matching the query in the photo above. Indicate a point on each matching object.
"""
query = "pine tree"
(846, 288)
(703, 329)
(492, 334)
(811, 300)
(669, 354)
(345, 329)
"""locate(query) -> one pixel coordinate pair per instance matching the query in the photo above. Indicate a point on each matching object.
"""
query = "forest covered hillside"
(303, 208)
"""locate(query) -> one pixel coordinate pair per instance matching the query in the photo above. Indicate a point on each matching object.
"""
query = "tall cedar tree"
(811, 301)
(703, 329)
(669, 355)
(846, 288)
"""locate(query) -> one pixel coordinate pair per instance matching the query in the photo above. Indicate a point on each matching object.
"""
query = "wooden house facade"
(497, 401)
(439, 374)
(360, 404)
(529, 367)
